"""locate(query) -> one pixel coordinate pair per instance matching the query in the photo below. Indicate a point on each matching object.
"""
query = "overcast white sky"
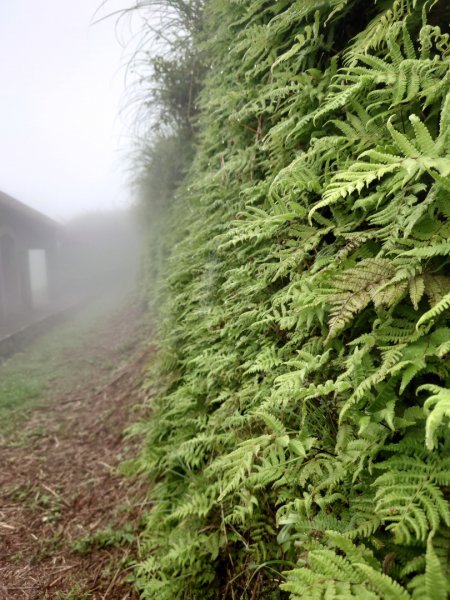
(61, 88)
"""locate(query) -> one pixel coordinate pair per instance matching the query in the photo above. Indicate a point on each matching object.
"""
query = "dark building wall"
(12, 276)
(22, 230)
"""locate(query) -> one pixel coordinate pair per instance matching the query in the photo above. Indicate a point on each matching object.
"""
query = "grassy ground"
(52, 363)
(68, 519)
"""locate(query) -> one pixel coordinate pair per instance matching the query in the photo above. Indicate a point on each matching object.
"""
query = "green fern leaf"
(402, 142)
(435, 581)
(409, 499)
(424, 140)
(382, 584)
(416, 290)
(441, 403)
(433, 313)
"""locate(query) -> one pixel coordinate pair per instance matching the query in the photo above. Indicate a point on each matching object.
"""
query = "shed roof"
(26, 211)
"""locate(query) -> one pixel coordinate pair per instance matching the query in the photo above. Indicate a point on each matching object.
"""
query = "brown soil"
(59, 483)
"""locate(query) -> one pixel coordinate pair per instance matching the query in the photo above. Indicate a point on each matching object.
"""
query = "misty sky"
(62, 84)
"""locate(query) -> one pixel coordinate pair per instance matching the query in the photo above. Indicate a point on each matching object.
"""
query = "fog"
(62, 138)
(63, 149)
(98, 253)
(47, 268)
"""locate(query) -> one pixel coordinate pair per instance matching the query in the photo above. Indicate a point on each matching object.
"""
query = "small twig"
(49, 489)
(109, 467)
(97, 575)
(66, 568)
(110, 586)
(55, 581)
(61, 576)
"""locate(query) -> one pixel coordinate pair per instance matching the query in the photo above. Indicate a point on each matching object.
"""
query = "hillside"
(296, 202)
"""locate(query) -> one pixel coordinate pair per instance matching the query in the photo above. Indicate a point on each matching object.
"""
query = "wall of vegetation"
(299, 441)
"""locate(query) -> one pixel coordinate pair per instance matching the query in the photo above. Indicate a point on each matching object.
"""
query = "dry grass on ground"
(66, 517)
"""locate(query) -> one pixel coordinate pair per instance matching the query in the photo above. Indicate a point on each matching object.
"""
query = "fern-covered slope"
(299, 446)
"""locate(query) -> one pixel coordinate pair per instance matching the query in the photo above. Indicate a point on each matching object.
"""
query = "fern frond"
(435, 582)
(433, 313)
(354, 575)
(437, 407)
(409, 499)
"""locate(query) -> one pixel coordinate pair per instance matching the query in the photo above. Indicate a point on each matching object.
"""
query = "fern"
(330, 575)
(298, 437)
(408, 497)
(437, 407)
(434, 312)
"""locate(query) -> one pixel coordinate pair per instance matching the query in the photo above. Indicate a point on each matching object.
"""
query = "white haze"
(62, 84)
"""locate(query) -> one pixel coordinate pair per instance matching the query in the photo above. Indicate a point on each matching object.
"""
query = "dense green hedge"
(299, 444)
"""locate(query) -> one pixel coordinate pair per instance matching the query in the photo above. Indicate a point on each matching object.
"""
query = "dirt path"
(66, 516)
